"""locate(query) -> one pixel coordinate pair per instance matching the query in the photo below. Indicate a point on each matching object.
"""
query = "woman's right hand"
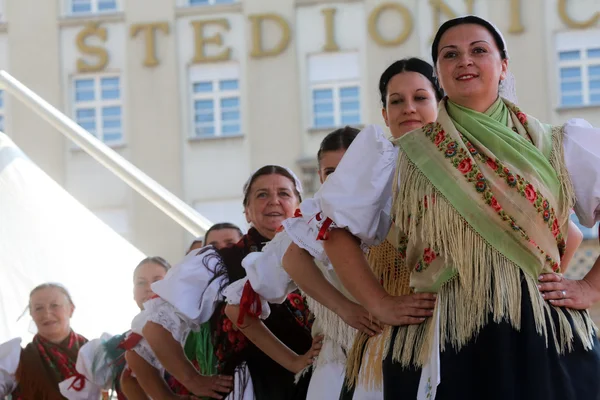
(359, 318)
(209, 386)
(306, 359)
(410, 309)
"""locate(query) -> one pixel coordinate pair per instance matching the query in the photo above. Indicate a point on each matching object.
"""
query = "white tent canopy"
(48, 236)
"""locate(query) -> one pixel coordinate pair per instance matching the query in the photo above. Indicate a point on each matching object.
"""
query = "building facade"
(199, 93)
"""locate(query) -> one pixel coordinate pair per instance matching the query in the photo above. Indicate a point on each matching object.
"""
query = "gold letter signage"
(91, 29)
(201, 41)
(257, 22)
(374, 21)
(330, 43)
(150, 39)
(571, 23)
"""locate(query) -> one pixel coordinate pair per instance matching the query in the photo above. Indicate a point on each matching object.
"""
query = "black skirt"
(501, 363)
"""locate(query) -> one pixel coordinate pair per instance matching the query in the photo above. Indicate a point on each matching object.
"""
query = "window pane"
(203, 105)
(569, 55)
(111, 111)
(349, 92)
(593, 53)
(350, 106)
(205, 130)
(594, 71)
(110, 88)
(571, 86)
(198, 2)
(324, 122)
(224, 1)
(84, 90)
(350, 119)
(573, 72)
(320, 108)
(203, 87)
(85, 113)
(595, 84)
(595, 98)
(111, 137)
(572, 100)
(81, 6)
(231, 84)
(231, 129)
(231, 102)
(107, 5)
(323, 94)
(204, 117)
(111, 124)
(230, 116)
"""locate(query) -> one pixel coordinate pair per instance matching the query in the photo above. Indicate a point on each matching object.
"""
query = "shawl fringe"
(486, 284)
(365, 359)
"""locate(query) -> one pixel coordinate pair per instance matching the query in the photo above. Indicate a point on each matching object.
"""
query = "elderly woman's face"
(271, 200)
(51, 311)
(470, 67)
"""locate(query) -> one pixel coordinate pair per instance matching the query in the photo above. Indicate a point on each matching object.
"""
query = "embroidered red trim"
(324, 231)
(79, 383)
(249, 303)
(130, 341)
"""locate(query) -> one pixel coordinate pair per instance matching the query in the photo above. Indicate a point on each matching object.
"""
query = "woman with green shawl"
(481, 202)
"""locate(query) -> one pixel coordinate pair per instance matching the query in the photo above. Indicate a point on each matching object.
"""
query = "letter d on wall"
(257, 25)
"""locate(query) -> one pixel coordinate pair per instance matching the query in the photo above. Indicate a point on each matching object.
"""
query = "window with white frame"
(98, 107)
(579, 68)
(216, 108)
(209, 2)
(76, 7)
(334, 90)
(1, 110)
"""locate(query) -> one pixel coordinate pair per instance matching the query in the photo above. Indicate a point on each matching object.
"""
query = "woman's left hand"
(564, 292)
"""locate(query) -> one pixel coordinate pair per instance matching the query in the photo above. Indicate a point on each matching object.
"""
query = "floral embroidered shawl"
(482, 199)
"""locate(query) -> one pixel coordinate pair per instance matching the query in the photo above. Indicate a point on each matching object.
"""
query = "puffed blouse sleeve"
(581, 144)
(96, 367)
(357, 196)
(265, 273)
(10, 356)
(185, 299)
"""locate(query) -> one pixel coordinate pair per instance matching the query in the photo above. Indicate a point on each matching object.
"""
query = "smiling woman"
(504, 184)
(191, 298)
(36, 371)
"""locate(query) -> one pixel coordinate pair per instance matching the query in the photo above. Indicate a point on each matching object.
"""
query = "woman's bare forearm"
(257, 332)
(169, 352)
(147, 378)
(351, 266)
(303, 271)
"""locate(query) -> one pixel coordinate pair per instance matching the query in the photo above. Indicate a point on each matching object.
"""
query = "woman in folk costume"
(409, 96)
(191, 295)
(219, 235)
(481, 203)
(266, 278)
(101, 361)
(36, 372)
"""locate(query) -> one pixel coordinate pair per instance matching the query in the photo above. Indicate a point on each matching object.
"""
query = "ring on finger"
(564, 294)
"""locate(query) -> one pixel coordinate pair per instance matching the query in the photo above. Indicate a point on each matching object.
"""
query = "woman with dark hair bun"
(481, 205)
(409, 95)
